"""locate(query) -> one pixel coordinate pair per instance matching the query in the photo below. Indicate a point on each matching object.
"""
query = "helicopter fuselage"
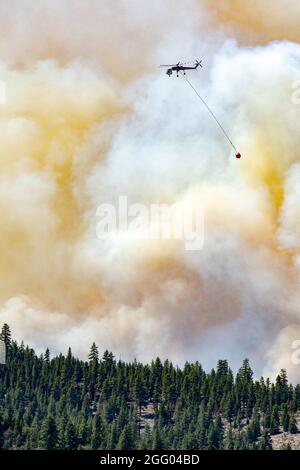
(181, 68)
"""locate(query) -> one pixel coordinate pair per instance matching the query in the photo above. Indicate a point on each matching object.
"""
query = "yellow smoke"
(259, 21)
(49, 114)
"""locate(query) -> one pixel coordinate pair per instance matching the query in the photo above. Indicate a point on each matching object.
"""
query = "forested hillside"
(66, 403)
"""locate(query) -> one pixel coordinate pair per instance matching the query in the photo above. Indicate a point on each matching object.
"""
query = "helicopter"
(179, 67)
(182, 68)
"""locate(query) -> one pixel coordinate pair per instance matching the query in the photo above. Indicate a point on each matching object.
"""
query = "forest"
(65, 403)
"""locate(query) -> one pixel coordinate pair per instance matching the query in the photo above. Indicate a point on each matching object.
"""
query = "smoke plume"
(90, 117)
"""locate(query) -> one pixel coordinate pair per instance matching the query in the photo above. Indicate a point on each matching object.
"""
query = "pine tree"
(215, 435)
(293, 428)
(254, 430)
(71, 441)
(282, 388)
(297, 397)
(274, 426)
(47, 356)
(126, 441)
(146, 438)
(94, 354)
(113, 436)
(48, 438)
(6, 335)
(140, 393)
(97, 433)
(108, 360)
(245, 373)
(157, 440)
(82, 433)
(229, 440)
(285, 419)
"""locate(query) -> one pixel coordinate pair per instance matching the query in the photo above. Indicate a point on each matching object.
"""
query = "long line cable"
(212, 113)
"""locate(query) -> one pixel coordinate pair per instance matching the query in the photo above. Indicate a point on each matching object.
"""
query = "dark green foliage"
(275, 421)
(97, 433)
(94, 355)
(65, 403)
(293, 429)
(285, 419)
(6, 335)
(282, 388)
(48, 435)
(254, 430)
(265, 442)
(215, 434)
(70, 437)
